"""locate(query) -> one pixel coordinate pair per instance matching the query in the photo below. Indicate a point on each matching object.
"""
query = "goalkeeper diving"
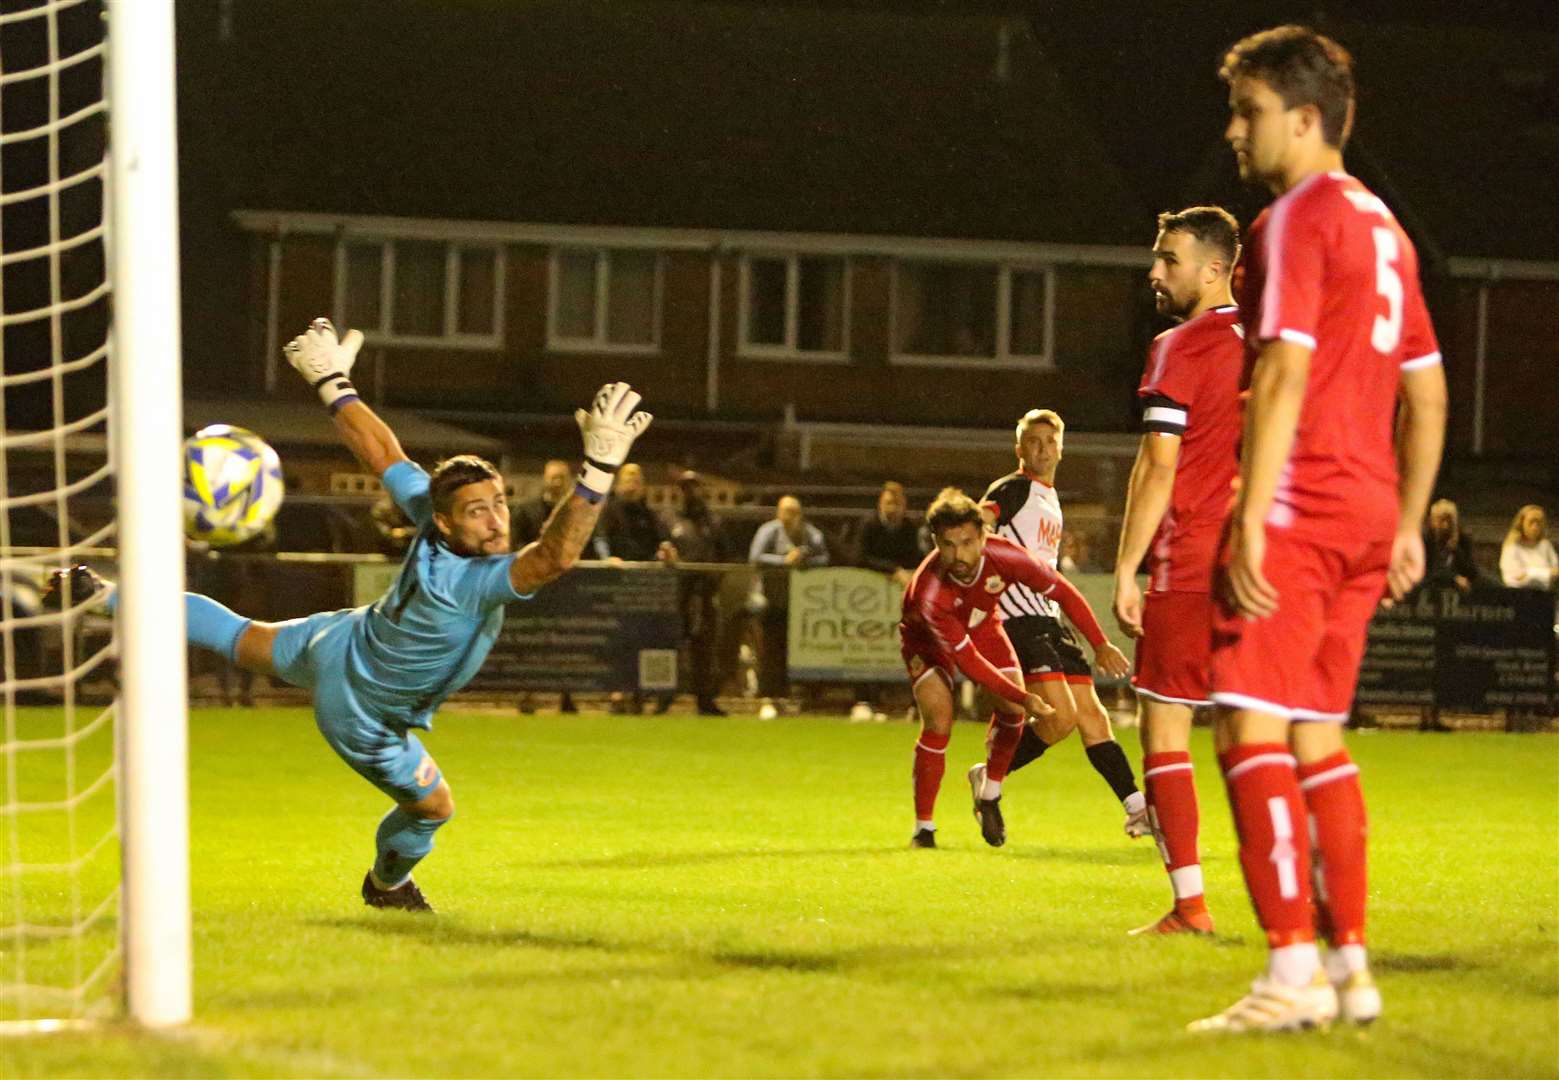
(378, 673)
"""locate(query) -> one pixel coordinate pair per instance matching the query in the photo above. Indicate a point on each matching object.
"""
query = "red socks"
(930, 763)
(1337, 829)
(1005, 731)
(1171, 794)
(1270, 818)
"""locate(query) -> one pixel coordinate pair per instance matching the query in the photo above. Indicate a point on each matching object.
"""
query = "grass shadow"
(1421, 962)
(452, 932)
(644, 860)
(1086, 856)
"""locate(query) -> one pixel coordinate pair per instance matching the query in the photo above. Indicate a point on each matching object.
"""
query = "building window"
(795, 306)
(421, 292)
(972, 314)
(605, 301)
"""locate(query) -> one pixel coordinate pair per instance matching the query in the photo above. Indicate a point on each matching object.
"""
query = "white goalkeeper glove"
(326, 363)
(608, 428)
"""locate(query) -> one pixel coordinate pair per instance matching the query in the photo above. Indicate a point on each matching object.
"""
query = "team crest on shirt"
(994, 584)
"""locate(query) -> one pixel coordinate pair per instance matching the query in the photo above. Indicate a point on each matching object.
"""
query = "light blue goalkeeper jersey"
(396, 660)
(427, 636)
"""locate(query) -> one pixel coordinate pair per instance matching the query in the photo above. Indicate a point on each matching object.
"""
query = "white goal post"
(147, 433)
(94, 804)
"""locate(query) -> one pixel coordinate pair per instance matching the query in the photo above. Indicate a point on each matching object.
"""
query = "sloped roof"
(304, 423)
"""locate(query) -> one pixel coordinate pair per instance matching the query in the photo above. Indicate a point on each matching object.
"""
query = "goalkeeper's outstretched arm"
(368, 437)
(608, 428)
(326, 363)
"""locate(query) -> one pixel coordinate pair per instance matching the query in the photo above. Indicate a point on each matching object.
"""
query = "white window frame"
(452, 337)
(598, 343)
(790, 350)
(1004, 357)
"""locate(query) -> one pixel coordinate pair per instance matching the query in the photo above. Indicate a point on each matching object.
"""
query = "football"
(232, 485)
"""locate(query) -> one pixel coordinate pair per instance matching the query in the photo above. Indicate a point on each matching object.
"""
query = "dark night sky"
(853, 116)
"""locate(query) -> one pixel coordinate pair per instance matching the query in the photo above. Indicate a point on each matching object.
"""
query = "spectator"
(788, 541)
(629, 530)
(1070, 554)
(1448, 562)
(889, 543)
(529, 516)
(393, 530)
(525, 522)
(1527, 559)
(697, 536)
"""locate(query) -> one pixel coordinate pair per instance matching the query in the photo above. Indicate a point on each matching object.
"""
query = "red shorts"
(922, 654)
(1175, 650)
(1302, 662)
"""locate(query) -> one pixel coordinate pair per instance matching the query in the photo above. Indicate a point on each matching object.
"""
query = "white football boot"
(1272, 1006)
(1358, 998)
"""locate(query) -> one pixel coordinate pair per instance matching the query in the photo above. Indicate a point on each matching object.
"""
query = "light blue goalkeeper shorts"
(312, 653)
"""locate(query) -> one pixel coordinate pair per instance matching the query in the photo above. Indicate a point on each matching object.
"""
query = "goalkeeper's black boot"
(992, 827)
(405, 897)
(71, 586)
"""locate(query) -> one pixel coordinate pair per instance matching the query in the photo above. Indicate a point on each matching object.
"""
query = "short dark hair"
(952, 508)
(1304, 68)
(1213, 227)
(452, 474)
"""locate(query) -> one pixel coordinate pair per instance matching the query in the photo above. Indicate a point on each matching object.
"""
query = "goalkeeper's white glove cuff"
(594, 481)
(336, 390)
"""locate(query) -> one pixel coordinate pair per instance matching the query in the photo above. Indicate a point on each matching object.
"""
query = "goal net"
(93, 798)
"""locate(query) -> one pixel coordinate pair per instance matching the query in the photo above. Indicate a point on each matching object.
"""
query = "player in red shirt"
(1338, 337)
(1176, 504)
(951, 622)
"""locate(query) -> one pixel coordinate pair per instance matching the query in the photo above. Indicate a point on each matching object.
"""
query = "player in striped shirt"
(1181, 487)
(1023, 507)
(952, 622)
(1345, 422)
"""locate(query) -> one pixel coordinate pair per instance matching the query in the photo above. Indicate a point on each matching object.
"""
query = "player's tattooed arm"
(562, 541)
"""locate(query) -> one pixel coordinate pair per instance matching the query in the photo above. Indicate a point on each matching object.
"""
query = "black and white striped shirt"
(1028, 512)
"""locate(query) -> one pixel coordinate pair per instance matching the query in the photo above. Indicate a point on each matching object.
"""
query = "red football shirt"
(1191, 388)
(941, 612)
(1330, 268)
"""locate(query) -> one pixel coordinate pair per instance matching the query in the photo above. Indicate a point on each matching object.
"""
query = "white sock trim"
(1294, 965)
(1186, 881)
(1328, 776)
(1258, 761)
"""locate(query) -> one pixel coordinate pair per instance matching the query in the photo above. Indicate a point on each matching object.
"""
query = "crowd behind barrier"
(728, 616)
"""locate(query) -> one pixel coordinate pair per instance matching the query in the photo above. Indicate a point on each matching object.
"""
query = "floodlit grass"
(636, 896)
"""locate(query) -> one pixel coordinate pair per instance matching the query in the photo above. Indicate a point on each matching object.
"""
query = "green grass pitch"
(637, 896)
